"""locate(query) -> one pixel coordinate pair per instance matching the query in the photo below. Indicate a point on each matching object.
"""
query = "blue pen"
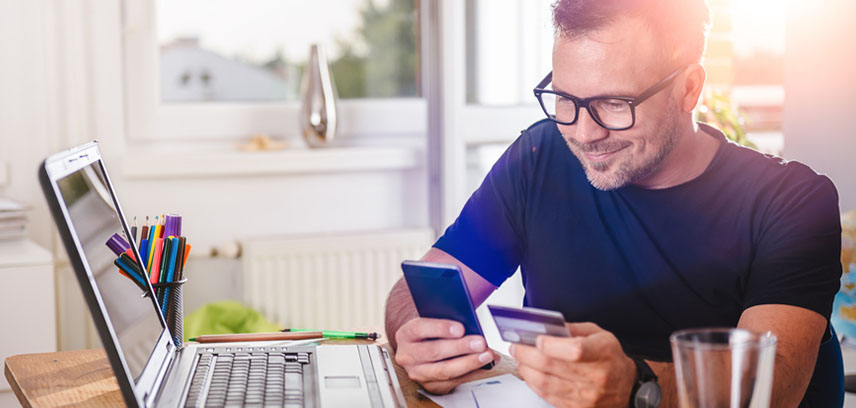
(130, 272)
(132, 265)
(173, 242)
(144, 251)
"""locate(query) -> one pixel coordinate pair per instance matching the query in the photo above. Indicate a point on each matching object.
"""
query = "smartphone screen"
(440, 292)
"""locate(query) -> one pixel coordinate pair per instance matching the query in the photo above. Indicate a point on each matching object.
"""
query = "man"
(634, 221)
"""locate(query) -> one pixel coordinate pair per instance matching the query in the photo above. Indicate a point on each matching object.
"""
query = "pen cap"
(172, 225)
(117, 244)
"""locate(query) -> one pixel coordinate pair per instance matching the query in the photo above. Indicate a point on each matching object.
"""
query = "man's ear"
(691, 87)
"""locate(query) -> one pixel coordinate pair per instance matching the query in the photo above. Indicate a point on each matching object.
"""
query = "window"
(509, 49)
(257, 51)
(757, 67)
(226, 69)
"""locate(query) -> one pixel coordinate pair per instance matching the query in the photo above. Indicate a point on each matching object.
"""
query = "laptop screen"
(94, 220)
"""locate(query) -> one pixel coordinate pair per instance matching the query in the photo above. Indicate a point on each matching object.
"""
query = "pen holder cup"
(171, 302)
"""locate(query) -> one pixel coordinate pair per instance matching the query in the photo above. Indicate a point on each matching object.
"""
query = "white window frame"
(464, 125)
(148, 120)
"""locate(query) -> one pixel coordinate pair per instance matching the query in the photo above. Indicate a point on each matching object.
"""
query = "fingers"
(430, 351)
(434, 352)
(424, 328)
(440, 387)
(529, 355)
(535, 379)
(446, 370)
(533, 357)
(547, 385)
(590, 344)
(583, 329)
(563, 348)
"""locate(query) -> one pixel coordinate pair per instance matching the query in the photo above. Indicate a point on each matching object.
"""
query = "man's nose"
(587, 130)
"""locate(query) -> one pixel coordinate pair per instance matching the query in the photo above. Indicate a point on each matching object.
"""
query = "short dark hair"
(682, 26)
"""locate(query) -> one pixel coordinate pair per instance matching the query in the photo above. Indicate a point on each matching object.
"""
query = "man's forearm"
(666, 379)
(399, 310)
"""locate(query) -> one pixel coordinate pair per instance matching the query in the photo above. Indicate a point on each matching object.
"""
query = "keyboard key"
(254, 377)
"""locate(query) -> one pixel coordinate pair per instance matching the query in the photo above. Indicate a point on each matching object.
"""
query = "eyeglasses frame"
(585, 102)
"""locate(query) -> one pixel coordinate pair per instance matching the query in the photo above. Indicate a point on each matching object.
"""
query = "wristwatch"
(646, 391)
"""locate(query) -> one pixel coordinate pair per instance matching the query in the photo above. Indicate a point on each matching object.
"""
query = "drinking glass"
(723, 367)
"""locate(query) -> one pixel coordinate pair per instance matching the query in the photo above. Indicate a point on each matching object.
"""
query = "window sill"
(219, 163)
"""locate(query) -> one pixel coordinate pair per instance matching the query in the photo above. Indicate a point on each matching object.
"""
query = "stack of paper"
(13, 220)
(501, 391)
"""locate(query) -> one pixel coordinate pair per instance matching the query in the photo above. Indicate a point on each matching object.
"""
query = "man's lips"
(602, 156)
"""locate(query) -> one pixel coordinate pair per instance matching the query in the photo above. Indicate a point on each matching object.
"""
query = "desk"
(85, 378)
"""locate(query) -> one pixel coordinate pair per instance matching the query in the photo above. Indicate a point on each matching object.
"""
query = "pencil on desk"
(339, 334)
(223, 338)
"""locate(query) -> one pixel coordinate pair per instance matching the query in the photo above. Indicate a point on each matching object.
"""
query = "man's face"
(621, 59)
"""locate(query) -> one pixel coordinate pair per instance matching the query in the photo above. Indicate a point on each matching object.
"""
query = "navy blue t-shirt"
(752, 229)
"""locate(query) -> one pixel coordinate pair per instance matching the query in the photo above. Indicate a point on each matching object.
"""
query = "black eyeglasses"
(610, 112)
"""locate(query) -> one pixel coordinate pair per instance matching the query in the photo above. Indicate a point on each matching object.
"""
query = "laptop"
(150, 370)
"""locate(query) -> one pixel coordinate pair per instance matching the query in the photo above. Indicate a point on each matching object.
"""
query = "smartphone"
(440, 292)
(524, 325)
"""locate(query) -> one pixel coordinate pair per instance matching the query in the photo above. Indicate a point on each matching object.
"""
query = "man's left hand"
(588, 369)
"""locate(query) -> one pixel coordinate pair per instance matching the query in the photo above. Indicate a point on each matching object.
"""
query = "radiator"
(330, 281)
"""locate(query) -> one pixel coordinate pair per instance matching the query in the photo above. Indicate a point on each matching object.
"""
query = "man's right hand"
(436, 354)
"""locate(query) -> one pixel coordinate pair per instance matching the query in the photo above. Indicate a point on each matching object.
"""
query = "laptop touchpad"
(342, 382)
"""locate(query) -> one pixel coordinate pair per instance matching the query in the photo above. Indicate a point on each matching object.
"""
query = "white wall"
(25, 135)
(820, 85)
(61, 84)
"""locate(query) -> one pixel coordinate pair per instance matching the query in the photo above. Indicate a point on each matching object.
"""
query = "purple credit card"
(524, 325)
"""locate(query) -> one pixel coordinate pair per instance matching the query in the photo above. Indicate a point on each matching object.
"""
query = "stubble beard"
(630, 169)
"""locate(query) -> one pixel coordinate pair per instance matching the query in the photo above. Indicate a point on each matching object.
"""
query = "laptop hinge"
(151, 396)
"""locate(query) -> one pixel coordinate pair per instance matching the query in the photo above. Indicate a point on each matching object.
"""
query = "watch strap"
(644, 375)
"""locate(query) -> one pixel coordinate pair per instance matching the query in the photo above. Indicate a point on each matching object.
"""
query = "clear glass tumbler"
(723, 367)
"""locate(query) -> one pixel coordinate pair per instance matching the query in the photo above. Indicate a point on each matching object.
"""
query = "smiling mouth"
(599, 157)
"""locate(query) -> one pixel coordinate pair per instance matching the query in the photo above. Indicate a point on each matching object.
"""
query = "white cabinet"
(27, 302)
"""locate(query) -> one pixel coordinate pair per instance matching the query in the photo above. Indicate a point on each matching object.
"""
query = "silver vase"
(319, 111)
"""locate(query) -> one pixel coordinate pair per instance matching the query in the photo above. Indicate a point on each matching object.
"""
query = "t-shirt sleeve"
(797, 261)
(488, 234)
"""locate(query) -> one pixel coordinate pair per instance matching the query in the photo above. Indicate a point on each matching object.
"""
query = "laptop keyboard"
(250, 379)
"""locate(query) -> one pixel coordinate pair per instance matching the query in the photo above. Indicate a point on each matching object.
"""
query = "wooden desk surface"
(84, 378)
